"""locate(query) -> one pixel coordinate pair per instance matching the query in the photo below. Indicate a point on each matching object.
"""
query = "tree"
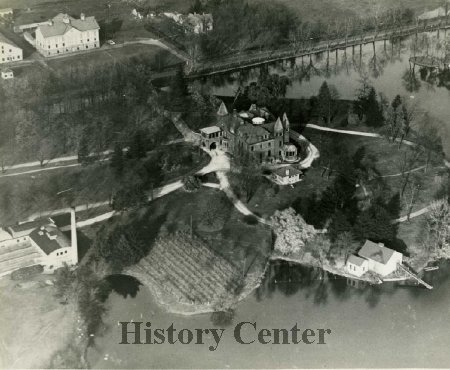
(438, 229)
(326, 101)
(128, 197)
(338, 225)
(117, 160)
(374, 224)
(428, 137)
(83, 149)
(291, 230)
(343, 245)
(137, 146)
(179, 92)
(374, 113)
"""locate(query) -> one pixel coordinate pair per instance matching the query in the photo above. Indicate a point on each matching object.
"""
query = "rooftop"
(210, 130)
(6, 40)
(49, 238)
(287, 171)
(376, 252)
(59, 27)
(253, 134)
(30, 225)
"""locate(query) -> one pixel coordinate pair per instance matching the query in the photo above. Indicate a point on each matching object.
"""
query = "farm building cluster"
(38, 242)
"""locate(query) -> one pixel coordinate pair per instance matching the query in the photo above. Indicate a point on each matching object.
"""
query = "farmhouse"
(254, 132)
(7, 74)
(287, 175)
(37, 242)
(65, 34)
(9, 52)
(374, 257)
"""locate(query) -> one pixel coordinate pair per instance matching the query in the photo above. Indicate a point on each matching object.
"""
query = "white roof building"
(65, 34)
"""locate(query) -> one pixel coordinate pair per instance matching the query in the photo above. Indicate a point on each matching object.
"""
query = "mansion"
(65, 34)
(254, 132)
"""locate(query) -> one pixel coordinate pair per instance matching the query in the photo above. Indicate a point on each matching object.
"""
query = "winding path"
(415, 214)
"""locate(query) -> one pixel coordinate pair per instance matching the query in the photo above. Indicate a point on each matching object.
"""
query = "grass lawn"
(104, 56)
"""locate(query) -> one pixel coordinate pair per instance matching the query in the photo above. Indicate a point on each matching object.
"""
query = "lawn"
(100, 57)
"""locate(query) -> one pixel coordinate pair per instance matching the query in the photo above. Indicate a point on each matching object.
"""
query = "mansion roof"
(252, 134)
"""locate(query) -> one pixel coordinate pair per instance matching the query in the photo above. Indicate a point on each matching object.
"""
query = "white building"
(65, 34)
(7, 74)
(6, 12)
(287, 175)
(9, 52)
(377, 257)
(37, 242)
(357, 266)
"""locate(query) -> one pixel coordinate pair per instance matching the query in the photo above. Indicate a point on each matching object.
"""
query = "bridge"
(248, 60)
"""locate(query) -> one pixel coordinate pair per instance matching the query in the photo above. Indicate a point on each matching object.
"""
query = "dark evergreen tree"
(374, 224)
(179, 92)
(83, 149)
(338, 225)
(373, 111)
(117, 160)
(137, 147)
(324, 103)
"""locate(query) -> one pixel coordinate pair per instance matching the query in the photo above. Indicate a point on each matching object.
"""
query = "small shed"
(7, 74)
(287, 175)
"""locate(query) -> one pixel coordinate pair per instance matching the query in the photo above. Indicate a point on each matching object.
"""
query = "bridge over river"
(247, 60)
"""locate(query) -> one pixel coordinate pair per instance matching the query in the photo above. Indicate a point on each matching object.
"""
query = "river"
(386, 65)
(372, 326)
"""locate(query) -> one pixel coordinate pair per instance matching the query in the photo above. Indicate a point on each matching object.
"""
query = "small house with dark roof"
(64, 34)
(7, 74)
(380, 260)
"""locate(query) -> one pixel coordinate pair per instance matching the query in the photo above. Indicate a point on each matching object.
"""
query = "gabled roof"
(49, 238)
(355, 260)
(59, 28)
(7, 41)
(376, 252)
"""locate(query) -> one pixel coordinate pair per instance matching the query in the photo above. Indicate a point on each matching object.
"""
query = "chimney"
(287, 171)
(73, 234)
(82, 17)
